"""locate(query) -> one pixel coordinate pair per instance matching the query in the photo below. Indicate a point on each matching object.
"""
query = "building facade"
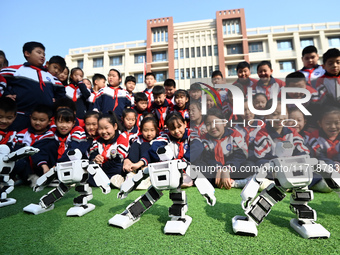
(192, 50)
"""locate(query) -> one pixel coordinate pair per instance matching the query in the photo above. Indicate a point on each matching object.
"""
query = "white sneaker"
(117, 180)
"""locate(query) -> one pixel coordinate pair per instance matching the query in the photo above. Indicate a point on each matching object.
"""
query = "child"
(260, 101)
(104, 149)
(170, 89)
(227, 105)
(30, 84)
(63, 76)
(129, 118)
(8, 113)
(161, 106)
(91, 126)
(68, 103)
(243, 74)
(98, 81)
(299, 124)
(88, 84)
(217, 78)
(130, 84)
(197, 123)
(78, 92)
(150, 80)
(112, 97)
(267, 83)
(182, 104)
(328, 84)
(55, 65)
(311, 70)
(224, 147)
(195, 91)
(141, 105)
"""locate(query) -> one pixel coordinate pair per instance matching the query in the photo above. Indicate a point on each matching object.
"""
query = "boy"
(161, 106)
(141, 105)
(195, 92)
(98, 81)
(130, 84)
(8, 113)
(328, 85)
(55, 65)
(217, 78)
(30, 84)
(150, 80)
(311, 70)
(243, 74)
(181, 100)
(170, 88)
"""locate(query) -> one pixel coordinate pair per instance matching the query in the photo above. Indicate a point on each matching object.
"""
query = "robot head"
(284, 149)
(74, 154)
(4, 149)
(165, 153)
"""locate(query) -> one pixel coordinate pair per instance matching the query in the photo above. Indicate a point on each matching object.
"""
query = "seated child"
(130, 84)
(56, 65)
(243, 74)
(68, 103)
(8, 113)
(141, 105)
(91, 126)
(161, 106)
(170, 89)
(260, 101)
(63, 76)
(88, 84)
(217, 78)
(98, 81)
(150, 81)
(182, 104)
(195, 91)
(197, 123)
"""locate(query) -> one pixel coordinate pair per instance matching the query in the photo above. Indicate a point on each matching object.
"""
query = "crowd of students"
(52, 108)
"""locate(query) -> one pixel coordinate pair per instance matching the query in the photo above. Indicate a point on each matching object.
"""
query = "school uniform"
(8, 138)
(3, 85)
(79, 94)
(184, 112)
(312, 74)
(274, 84)
(125, 140)
(328, 87)
(140, 115)
(139, 147)
(28, 137)
(149, 94)
(200, 129)
(161, 111)
(250, 83)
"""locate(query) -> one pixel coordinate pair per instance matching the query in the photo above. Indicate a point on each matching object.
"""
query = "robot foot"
(37, 209)
(242, 226)
(7, 201)
(309, 230)
(178, 226)
(80, 210)
(122, 220)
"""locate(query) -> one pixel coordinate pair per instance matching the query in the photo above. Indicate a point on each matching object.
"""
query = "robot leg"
(134, 211)
(257, 211)
(305, 223)
(179, 222)
(5, 190)
(47, 201)
(81, 206)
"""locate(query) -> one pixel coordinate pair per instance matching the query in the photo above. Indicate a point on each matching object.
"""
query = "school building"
(191, 50)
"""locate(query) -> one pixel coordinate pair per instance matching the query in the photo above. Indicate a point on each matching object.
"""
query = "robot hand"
(122, 194)
(211, 199)
(20, 153)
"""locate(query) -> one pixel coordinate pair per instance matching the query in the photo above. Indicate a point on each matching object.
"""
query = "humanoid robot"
(165, 175)
(7, 163)
(76, 171)
(289, 172)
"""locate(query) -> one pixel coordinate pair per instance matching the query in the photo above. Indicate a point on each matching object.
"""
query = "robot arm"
(331, 176)
(45, 179)
(20, 153)
(99, 177)
(131, 183)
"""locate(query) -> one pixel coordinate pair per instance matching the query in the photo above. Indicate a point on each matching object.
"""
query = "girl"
(63, 77)
(196, 118)
(224, 147)
(91, 126)
(299, 124)
(129, 117)
(104, 149)
(78, 92)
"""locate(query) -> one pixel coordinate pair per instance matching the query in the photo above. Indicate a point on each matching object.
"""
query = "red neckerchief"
(33, 138)
(104, 153)
(74, 99)
(149, 98)
(161, 110)
(199, 128)
(5, 137)
(41, 81)
(181, 150)
(331, 152)
(310, 71)
(219, 156)
(62, 146)
(115, 97)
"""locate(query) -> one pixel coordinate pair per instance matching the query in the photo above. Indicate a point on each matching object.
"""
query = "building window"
(199, 72)
(210, 71)
(306, 42)
(192, 52)
(193, 72)
(334, 41)
(160, 34)
(231, 27)
(182, 73)
(209, 51)
(253, 67)
(139, 77)
(255, 47)
(232, 70)
(204, 51)
(159, 56)
(217, 68)
(205, 73)
(198, 52)
(140, 58)
(215, 50)
(187, 53)
(80, 63)
(176, 74)
(116, 61)
(187, 73)
(97, 62)
(284, 45)
(287, 66)
(160, 76)
(181, 53)
(176, 53)
(234, 49)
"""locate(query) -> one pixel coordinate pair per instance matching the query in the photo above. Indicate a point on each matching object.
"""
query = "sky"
(63, 25)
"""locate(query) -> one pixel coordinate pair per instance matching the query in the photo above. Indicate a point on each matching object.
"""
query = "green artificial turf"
(210, 231)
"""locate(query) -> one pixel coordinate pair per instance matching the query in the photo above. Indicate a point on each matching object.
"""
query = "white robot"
(76, 171)
(7, 163)
(289, 172)
(166, 175)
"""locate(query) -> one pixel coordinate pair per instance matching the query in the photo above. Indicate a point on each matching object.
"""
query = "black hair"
(68, 74)
(269, 103)
(129, 110)
(260, 94)
(309, 49)
(2, 53)
(72, 71)
(158, 90)
(140, 96)
(94, 114)
(150, 73)
(5, 63)
(197, 103)
(117, 71)
(195, 86)
(214, 112)
(130, 78)
(148, 115)
(331, 53)
(170, 83)
(216, 73)
(242, 65)
(264, 63)
(29, 46)
(64, 103)
(42, 108)
(8, 105)
(295, 77)
(296, 109)
(327, 110)
(112, 119)
(65, 114)
(88, 81)
(59, 61)
(153, 121)
(181, 92)
(97, 76)
(172, 118)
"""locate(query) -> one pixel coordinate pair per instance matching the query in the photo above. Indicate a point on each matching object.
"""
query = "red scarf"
(181, 150)
(115, 97)
(331, 152)
(161, 111)
(74, 99)
(62, 146)
(149, 98)
(5, 137)
(41, 81)
(104, 153)
(219, 156)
